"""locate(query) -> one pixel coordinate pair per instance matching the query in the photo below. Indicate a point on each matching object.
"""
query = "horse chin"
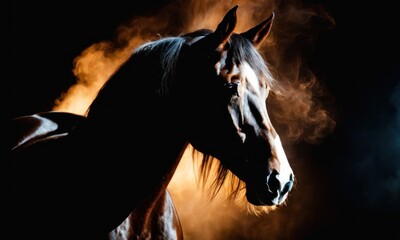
(264, 198)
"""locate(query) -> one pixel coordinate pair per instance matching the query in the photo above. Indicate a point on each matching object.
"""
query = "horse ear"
(258, 33)
(221, 34)
(226, 26)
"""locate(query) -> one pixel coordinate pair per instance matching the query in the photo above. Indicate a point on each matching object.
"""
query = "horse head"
(229, 82)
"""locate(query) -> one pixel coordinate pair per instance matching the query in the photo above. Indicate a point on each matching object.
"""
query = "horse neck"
(136, 128)
(139, 134)
(146, 150)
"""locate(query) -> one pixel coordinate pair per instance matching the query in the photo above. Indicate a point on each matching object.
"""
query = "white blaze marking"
(251, 77)
(285, 169)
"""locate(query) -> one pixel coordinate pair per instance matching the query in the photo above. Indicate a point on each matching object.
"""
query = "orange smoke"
(298, 114)
(92, 69)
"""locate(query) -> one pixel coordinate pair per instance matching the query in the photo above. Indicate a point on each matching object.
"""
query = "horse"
(207, 88)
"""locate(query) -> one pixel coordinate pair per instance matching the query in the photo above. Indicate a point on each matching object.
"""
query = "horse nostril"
(273, 183)
(288, 186)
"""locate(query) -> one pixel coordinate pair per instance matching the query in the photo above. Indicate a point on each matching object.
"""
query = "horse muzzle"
(273, 192)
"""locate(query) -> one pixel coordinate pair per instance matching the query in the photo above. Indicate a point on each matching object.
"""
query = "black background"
(358, 61)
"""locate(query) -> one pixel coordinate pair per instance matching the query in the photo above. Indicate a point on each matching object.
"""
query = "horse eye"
(233, 88)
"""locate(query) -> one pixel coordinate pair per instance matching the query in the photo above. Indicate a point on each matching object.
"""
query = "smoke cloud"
(299, 114)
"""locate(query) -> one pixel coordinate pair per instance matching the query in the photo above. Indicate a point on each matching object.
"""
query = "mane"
(169, 49)
(159, 55)
(162, 56)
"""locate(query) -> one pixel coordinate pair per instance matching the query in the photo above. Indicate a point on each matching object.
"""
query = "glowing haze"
(298, 114)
